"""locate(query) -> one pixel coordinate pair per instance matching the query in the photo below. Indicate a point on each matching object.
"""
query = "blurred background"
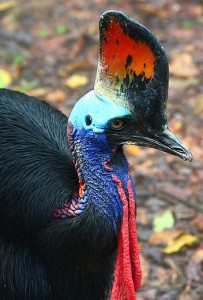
(49, 49)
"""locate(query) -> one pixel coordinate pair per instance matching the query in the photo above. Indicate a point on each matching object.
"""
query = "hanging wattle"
(128, 274)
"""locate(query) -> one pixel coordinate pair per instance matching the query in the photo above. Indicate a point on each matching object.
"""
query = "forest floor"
(49, 49)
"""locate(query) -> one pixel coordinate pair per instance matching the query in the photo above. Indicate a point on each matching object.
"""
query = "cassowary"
(67, 199)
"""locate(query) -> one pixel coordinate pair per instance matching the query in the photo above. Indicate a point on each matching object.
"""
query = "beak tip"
(187, 156)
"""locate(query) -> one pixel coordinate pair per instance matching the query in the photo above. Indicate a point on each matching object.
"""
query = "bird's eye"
(117, 123)
(88, 120)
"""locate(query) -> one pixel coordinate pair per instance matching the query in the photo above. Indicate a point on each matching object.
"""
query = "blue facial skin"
(100, 109)
(90, 149)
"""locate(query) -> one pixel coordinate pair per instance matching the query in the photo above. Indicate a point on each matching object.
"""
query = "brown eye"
(117, 123)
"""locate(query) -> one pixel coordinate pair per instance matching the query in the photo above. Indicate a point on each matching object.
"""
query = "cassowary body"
(45, 254)
(67, 199)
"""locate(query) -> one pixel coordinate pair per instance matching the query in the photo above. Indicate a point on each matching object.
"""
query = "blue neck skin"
(96, 163)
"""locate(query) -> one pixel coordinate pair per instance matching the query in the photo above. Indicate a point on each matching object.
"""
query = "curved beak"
(165, 141)
(162, 140)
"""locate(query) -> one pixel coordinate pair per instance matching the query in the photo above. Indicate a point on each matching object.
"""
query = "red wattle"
(128, 274)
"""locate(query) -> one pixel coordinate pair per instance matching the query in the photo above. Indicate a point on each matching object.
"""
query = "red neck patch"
(128, 272)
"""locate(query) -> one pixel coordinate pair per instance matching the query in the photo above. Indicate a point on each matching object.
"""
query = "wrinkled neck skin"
(98, 165)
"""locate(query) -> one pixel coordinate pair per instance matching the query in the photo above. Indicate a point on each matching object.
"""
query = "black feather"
(67, 259)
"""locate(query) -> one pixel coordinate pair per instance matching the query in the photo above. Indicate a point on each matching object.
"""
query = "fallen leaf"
(196, 10)
(176, 245)
(132, 150)
(79, 65)
(182, 65)
(75, 81)
(176, 125)
(43, 34)
(56, 96)
(7, 5)
(61, 30)
(91, 29)
(5, 78)
(39, 92)
(164, 237)
(164, 221)
(186, 25)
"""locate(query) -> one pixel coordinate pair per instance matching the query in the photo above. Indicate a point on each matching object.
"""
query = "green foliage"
(28, 86)
(18, 59)
(186, 25)
(43, 34)
(164, 221)
(61, 30)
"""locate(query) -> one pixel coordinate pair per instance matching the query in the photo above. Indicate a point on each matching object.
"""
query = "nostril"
(179, 149)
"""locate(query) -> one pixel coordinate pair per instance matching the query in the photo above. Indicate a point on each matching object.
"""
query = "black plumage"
(68, 259)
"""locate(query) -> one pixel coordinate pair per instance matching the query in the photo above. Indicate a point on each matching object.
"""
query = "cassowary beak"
(165, 141)
(161, 139)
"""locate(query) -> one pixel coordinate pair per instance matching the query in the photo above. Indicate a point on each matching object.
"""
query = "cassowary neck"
(98, 165)
(106, 183)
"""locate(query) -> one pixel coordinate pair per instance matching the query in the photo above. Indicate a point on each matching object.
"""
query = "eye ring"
(117, 124)
(88, 120)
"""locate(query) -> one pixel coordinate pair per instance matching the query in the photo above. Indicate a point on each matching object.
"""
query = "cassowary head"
(128, 103)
